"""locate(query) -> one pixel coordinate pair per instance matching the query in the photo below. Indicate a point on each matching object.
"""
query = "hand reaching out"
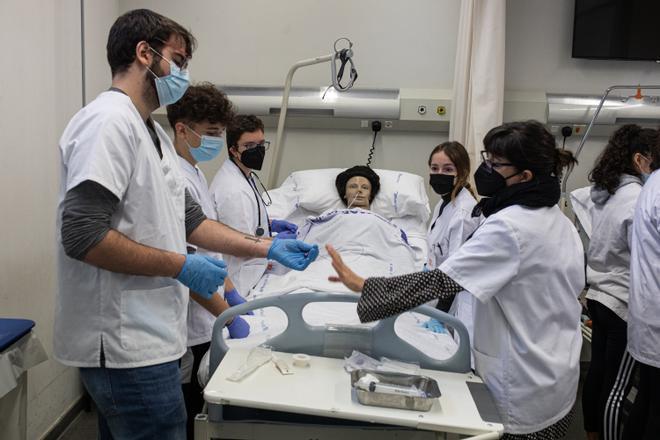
(344, 274)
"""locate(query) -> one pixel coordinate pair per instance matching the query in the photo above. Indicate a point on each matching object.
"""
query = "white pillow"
(401, 194)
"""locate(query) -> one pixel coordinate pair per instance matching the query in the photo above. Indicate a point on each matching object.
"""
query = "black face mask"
(441, 183)
(254, 157)
(489, 182)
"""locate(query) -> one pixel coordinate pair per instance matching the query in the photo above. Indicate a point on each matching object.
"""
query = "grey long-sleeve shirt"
(87, 215)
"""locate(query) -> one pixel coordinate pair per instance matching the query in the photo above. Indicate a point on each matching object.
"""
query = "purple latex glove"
(234, 298)
(239, 328)
(286, 235)
(283, 226)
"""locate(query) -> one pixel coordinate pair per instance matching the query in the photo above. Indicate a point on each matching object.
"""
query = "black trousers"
(192, 391)
(644, 419)
(608, 344)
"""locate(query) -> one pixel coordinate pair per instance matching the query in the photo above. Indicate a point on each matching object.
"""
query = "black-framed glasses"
(253, 145)
(493, 165)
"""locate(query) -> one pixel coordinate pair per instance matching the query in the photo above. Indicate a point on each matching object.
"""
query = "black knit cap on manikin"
(358, 170)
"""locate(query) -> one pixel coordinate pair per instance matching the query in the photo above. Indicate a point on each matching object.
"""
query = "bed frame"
(333, 341)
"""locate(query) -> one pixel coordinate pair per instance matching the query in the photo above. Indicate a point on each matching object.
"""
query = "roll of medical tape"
(301, 360)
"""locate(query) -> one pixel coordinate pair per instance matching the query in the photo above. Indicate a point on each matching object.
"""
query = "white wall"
(538, 53)
(397, 44)
(538, 58)
(99, 17)
(254, 42)
(41, 89)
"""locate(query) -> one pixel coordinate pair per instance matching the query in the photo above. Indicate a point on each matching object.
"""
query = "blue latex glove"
(287, 235)
(293, 253)
(234, 298)
(202, 274)
(435, 326)
(283, 226)
(239, 328)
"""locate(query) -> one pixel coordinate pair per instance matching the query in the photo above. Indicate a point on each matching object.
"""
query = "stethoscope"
(260, 231)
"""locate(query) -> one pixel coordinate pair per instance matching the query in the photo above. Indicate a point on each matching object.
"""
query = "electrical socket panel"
(425, 105)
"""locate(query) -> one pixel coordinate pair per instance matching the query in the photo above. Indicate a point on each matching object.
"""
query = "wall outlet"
(579, 128)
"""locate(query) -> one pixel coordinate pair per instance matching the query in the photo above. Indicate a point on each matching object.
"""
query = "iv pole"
(590, 126)
(277, 148)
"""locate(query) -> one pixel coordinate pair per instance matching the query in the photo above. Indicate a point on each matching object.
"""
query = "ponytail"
(565, 159)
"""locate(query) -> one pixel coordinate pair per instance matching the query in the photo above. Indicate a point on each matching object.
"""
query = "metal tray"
(387, 400)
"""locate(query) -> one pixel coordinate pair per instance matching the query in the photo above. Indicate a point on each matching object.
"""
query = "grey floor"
(84, 427)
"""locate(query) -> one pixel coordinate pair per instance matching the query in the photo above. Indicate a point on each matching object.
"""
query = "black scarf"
(542, 191)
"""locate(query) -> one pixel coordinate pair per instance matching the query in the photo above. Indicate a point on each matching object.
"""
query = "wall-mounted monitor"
(617, 29)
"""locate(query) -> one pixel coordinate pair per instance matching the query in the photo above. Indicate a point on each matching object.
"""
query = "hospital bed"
(326, 325)
(317, 402)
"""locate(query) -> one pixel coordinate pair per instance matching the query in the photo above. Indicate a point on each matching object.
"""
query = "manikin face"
(358, 191)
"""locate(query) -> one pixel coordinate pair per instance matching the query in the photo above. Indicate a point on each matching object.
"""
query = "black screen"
(617, 29)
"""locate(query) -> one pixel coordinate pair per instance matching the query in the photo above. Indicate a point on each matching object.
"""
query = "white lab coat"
(200, 320)
(525, 268)
(644, 301)
(236, 206)
(136, 320)
(608, 256)
(452, 228)
(446, 234)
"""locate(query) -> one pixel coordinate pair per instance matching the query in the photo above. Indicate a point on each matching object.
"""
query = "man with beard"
(124, 217)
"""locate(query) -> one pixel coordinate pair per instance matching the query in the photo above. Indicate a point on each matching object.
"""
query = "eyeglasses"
(181, 61)
(493, 165)
(253, 145)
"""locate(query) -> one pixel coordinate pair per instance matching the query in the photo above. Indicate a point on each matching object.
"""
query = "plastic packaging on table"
(257, 357)
(360, 361)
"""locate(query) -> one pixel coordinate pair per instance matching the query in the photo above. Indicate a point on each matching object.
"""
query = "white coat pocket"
(149, 318)
(492, 372)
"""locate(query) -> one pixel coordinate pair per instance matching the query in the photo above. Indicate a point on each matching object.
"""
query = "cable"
(566, 131)
(375, 126)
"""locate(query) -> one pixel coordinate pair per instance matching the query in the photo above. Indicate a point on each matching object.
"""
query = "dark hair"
(142, 25)
(201, 102)
(530, 146)
(456, 152)
(242, 124)
(358, 170)
(617, 158)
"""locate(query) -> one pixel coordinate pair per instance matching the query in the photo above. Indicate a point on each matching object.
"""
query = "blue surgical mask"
(645, 177)
(208, 149)
(172, 87)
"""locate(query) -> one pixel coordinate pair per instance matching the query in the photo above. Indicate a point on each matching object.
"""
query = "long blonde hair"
(456, 152)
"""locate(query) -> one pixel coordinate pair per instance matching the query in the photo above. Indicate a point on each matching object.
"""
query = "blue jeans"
(138, 403)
